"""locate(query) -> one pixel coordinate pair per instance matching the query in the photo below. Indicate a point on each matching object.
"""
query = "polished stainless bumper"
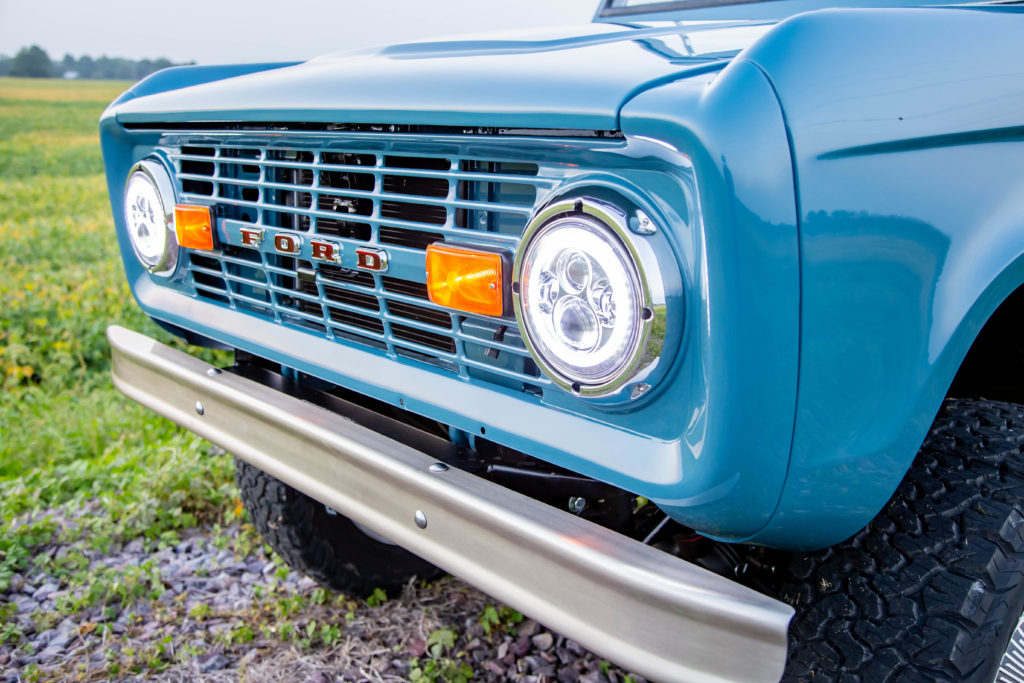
(663, 618)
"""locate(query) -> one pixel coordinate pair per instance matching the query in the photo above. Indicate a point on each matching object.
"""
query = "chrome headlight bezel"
(650, 316)
(156, 174)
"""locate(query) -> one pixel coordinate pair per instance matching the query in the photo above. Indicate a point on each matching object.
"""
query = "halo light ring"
(647, 347)
(160, 178)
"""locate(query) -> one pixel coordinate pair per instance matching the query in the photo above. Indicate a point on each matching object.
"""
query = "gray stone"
(494, 668)
(27, 623)
(568, 674)
(218, 627)
(543, 641)
(528, 628)
(521, 646)
(25, 604)
(149, 630)
(235, 569)
(211, 662)
(539, 666)
(17, 583)
(62, 638)
(45, 591)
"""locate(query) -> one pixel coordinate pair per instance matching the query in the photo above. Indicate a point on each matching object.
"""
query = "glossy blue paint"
(841, 193)
(177, 77)
(906, 129)
(741, 367)
(577, 80)
(690, 10)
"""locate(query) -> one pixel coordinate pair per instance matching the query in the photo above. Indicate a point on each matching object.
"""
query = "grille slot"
(420, 314)
(351, 298)
(357, 320)
(424, 338)
(358, 194)
(414, 213)
(406, 287)
(414, 239)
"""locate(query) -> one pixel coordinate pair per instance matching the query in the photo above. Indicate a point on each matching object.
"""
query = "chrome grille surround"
(361, 191)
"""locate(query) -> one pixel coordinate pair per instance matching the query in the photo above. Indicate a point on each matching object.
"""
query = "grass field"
(88, 476)
(68, 440)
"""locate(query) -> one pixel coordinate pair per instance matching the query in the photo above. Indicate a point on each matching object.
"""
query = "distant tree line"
(33, 62)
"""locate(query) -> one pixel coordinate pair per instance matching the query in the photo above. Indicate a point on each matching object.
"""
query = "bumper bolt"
(199, 407)
(421, 519)
(438, 467)
(577, 505)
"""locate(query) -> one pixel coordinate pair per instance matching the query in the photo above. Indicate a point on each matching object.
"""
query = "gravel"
(201, 610)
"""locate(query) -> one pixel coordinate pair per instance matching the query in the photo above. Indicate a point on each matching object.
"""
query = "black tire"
(325, 546)
(933, 588)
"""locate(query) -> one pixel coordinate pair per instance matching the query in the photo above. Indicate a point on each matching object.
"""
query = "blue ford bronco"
(693, 333)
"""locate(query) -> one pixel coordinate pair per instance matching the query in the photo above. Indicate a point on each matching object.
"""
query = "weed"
(440, 670)
(330, 634)
(377, 598)
(69, 442)
(440, 641)
(499, 618)
(200, 611)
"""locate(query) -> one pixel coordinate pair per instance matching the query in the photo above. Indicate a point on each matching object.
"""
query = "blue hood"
(576, 78)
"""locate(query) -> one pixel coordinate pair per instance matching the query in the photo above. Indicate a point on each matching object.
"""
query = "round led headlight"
(582, 298)
(149, 216)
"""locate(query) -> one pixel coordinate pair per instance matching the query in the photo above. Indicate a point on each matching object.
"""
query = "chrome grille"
(398, 201)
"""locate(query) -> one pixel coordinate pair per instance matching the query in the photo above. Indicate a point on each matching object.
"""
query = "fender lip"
(659, 616)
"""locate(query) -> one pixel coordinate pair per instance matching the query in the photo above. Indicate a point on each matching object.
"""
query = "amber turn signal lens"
(464, 279)
(194, 226)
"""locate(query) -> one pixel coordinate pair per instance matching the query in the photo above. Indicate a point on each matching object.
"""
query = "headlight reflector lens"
(149, 216)
(581, 300)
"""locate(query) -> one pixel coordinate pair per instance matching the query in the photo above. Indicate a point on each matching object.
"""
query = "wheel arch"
(911, 238)
(967, 366)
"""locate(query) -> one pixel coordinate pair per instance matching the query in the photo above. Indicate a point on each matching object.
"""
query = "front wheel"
(322, 544)
(933, 588)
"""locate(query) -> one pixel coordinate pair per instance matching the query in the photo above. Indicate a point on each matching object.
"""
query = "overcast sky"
(219, 31)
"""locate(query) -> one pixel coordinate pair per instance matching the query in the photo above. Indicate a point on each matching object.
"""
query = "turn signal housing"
(194, 226)
(465, 279)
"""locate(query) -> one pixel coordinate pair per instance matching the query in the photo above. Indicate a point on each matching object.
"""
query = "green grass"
(48, 127)
(68, 440)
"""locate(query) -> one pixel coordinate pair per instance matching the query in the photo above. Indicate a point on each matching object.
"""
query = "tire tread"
(931, 589)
